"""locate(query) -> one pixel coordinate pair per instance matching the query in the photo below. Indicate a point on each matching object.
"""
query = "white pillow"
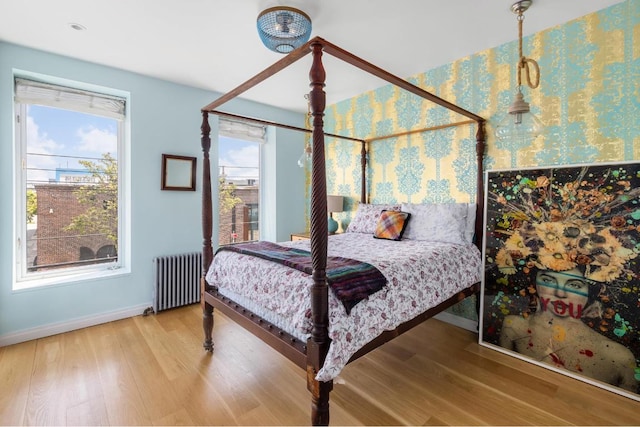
(470, 227)
(437, 222)
(366, 217)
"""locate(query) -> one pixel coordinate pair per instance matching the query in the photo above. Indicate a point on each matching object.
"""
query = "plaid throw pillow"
(391, 225)
(366, 217)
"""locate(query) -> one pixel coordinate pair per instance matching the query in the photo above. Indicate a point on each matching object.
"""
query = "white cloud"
(242, 162)
(40, 142)
(97, 141)
(40, 166)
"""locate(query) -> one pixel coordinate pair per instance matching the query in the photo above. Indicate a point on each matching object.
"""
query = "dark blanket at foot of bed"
(350, 280)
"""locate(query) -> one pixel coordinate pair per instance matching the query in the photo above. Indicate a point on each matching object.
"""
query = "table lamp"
(334, 204)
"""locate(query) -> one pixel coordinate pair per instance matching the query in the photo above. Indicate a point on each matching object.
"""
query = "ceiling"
(213, 44)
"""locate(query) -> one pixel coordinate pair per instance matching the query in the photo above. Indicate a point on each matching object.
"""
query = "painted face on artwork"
(563, 293)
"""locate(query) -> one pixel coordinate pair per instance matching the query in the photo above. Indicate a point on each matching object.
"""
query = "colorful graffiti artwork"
(561, 283)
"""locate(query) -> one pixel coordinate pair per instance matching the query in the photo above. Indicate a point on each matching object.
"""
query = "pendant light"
(305, 158)
(283, 29)
(520, 123)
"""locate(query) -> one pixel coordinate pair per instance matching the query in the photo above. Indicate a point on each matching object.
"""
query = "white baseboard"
(85, 322)
(70, 325)
(462, 322)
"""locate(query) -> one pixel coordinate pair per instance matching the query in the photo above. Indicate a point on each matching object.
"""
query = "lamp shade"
(334, 203)
(519, 127)
(305, 158)
(283, 29)
(520, 124)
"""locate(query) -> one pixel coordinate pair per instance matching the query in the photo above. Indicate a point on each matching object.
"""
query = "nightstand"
(300, 236)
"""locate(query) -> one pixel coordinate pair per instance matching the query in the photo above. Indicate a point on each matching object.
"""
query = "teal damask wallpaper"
(588, 100)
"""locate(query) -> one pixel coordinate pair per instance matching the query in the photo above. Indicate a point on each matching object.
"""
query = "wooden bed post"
(480, 148)
(318, 343)
(363, 164)
(207, 229)
(479, 233)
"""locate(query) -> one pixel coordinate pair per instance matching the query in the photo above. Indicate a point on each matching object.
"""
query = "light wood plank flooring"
(152, 370)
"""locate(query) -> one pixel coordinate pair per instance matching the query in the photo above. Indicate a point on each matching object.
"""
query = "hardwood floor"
(153, 370)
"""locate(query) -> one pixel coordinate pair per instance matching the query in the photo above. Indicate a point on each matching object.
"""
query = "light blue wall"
(165, 118)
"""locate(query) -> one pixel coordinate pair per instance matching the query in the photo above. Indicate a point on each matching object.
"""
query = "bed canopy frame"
(311, 355)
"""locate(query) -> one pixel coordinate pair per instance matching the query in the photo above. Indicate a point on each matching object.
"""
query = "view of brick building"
(56, 247)
(241, 223)
(51, 245)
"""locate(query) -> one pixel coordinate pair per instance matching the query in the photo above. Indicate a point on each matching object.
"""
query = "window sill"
(69, 279)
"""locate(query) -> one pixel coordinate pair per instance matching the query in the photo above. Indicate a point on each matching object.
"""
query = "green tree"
(32, 205)
(101, 200)
(227, 198)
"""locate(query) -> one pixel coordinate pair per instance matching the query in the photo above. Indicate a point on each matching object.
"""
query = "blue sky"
(66, 133)
(236, 152)
(69, 133)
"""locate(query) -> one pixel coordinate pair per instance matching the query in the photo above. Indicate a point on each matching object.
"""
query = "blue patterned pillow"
(391, 225)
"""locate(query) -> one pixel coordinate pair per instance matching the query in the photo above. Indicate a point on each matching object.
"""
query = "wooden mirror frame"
(178, 173)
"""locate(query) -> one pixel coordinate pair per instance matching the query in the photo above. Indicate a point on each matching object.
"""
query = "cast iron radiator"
(177, 280)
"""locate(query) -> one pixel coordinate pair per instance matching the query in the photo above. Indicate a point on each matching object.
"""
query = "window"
(69, 204)
(239, 181)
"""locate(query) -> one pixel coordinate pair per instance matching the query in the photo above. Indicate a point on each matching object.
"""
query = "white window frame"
(251, 132)
(22, 278)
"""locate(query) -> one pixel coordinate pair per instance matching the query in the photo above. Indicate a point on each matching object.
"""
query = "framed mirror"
(178, 173)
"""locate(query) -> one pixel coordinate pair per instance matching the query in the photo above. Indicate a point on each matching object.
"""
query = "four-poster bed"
(312, 353)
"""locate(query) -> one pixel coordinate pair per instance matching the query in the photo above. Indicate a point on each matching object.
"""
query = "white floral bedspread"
(420, 275)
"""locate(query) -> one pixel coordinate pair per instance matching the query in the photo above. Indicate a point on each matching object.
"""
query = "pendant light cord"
(307, 124)
(308, 119)
(526, 63)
